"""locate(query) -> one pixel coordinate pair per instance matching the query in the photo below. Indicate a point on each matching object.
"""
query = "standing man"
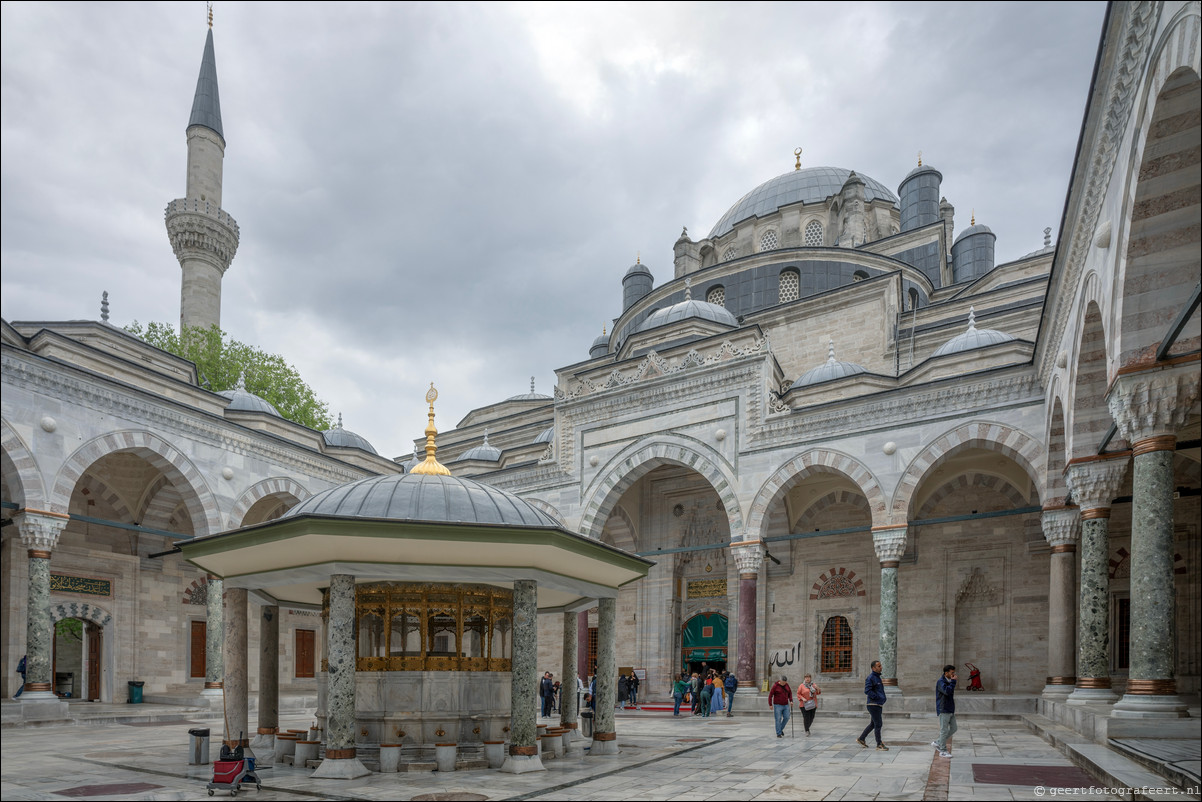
(696, 697)
(546, 691)
(730, 684)
(781, 699)
(945, 706)
(634, 690)
(874, 689)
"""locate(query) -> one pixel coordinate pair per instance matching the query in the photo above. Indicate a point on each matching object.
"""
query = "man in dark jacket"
(781, 699)
(874, 689)
(546, 690)
(730, 684)
(945, 706)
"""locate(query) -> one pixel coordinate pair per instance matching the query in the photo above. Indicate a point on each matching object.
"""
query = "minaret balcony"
(198, 228)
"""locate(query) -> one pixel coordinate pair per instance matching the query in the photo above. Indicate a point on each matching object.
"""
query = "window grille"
(790, 286)
(768, 241)
(716, 296)
(836, 646)
(813, 235)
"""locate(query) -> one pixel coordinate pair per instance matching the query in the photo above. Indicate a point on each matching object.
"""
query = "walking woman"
(807, 699)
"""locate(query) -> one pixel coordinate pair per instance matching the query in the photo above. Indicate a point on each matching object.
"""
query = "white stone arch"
(550, 509)
(815, 461)
(640, 458)
(1056, 434)
(279, 486)
(198, 498)
(1176, 54)
(21, 469)
(625, 534)
(94, 613)
(1007, 440)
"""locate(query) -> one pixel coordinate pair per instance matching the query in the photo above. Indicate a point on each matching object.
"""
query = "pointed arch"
(640, 458)
(20, 464)
(815, 461)
(1009, 441)
(622, 531)
(281, 487)
(197, 497)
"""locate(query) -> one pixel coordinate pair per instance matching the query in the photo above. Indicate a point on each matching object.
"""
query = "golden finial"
(210, 5)
(974, 218)
(602, 329)
(638, 257)
(797, 153)
(920, 158)
(431, 466)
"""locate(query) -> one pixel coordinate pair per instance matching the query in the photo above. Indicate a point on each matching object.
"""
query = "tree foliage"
(221, 360)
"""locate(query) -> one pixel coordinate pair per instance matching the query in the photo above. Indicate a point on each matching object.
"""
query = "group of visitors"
(706, 695)
(780, 698)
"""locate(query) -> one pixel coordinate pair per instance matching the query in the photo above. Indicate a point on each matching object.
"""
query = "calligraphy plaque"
(84, 585)
(706, 588)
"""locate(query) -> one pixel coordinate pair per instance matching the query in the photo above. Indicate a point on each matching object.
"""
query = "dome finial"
(1047, 239)
(920, 158)
(602, 329)
(431, 466)
(638, 257)
(531, 386)
(972, 318)
(688, 289)
(486, 437)
(974, 218)
(210, 16)
(830, 351)
(339, 426)
(242, 380)
(104, 306)
(797, 153)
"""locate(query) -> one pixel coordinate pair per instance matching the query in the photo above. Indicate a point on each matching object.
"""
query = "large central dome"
(810, 185)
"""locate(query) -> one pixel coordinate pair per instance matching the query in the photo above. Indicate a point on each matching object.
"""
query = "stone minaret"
(203, 236)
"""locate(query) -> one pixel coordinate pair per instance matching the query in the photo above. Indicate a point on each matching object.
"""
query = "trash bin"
(586, 724)
(135, 691)
(198, 747)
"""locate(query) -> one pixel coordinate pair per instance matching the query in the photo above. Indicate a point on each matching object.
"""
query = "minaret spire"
(203, 235)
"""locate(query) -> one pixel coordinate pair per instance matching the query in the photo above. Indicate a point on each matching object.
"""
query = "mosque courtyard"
(661, 757)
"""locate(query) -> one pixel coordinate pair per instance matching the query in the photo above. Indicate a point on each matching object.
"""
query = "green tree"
(221, 360)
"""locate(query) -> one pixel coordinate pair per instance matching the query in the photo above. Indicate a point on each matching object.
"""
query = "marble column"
(523, 744)
(269, 677)
(39, 533)
(604, 733)
(1149, 407)
(749, 558)
(1094, 482)
(1060, 530)
(237, 718)
(889, 543)
(340, 761)
(582, 667)
(214, 633)
(567, 689)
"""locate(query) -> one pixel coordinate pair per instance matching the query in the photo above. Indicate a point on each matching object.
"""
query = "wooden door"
(197, 650)
(93, 669)
(305, 642)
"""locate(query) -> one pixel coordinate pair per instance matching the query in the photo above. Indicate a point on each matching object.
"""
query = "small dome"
(810, 185)
(973, 338)
(600, 346)
(530, 396)
(975, 228)
(481, 452)
(547, 436)
(637, 269)
(416, 459)
(828, 371)
(919, 170)
(345, 438)
(423, 497)
(686, 309)
(242, 400)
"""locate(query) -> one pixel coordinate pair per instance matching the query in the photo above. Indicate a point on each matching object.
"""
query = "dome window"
(730, 253)
(859, 275)
(716, 296)
(813, 235)
(790, 286)
(768, 241)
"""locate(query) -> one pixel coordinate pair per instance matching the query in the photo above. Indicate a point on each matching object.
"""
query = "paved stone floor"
(661, 758)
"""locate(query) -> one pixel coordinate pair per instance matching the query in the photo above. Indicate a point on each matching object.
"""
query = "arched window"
(913, 299)
(859, 275)
(716, 295)
(813, 235)
(836, 646)
(768, 241)
(790, 286)
(730, 253)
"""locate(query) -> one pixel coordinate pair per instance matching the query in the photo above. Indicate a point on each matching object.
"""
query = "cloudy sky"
(452, 192)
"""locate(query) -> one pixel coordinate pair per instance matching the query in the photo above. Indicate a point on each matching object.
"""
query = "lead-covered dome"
(808, 185)
(829, 370)
(530, 396)
(243, 400)
(484, 451)
(973, 338)
(339, 437)
(686, 309)
(424, 497)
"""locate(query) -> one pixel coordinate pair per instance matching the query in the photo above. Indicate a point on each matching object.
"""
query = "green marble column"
(567, 693)
(234, 660)
(1060, 529)
(269, 677)
(523, 731)
(341, 762)
(1094, 483)
(604, 732)
(890, 544)
(1149, 407)
(214, 634)
(39, 534)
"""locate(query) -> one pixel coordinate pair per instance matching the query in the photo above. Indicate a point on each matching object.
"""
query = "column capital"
(40, 529)
(1061, 526)
(1153, 402)
(1095, 481)
(890, 544)
(749, 556)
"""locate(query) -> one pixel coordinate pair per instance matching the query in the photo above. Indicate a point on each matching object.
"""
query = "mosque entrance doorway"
(76, 659)
(703, 643)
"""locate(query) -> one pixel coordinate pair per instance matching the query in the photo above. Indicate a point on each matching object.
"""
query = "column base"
(522, 764)
(1138, 705)
(893, 691)
(1092, 696)
(1058, 692)
(340, 769)
(42, 706)
(604, 744)
(265, 741)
